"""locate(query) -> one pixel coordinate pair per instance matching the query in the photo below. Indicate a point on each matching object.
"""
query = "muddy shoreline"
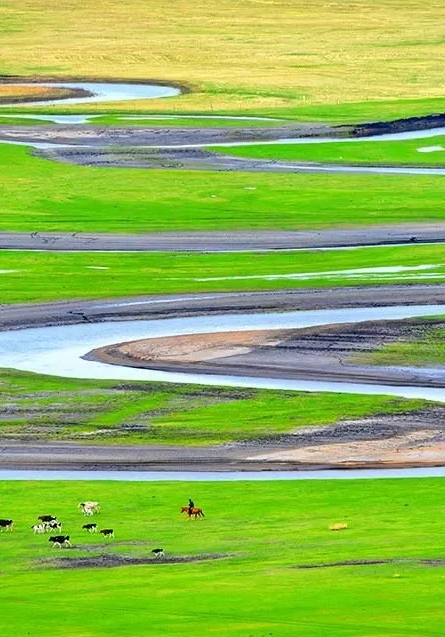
(411, 439)
(27, 315)
(166, 157)
(228, 241)
(321, 353)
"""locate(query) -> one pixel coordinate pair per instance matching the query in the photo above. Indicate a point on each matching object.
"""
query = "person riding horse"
(191, 506)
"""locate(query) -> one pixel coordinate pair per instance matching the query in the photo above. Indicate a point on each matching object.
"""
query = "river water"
(214, 476)
(58, 350)
(102, 92)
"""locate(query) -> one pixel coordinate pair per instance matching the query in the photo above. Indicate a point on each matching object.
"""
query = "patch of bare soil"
(415, 448)
(320, 353)
(192, 348)
(423, 562)
(113, 560)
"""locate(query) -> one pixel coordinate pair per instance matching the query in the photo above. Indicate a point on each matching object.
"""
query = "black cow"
(60, 540)
(158, 553)
(107, 533)
(47, 518)
(6, 524)
(91, 528)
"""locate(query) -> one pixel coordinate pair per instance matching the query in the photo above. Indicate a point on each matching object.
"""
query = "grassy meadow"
(265, 530)
(28, 93)
(408, 152)
(178, 121)
(427, 350)
(41, 195)
(49, 408)
(266, 56)
(333, 62)
(32, 276)
(169, 121)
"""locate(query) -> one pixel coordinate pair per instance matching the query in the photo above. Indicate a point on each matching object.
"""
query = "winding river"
(59, 350)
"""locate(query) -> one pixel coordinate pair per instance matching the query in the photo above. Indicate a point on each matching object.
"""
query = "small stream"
(215, 476)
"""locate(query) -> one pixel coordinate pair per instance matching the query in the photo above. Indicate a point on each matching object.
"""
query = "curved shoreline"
(183, 87)
(72, 312)
(225, 457)
(60, 351)
(73, 93)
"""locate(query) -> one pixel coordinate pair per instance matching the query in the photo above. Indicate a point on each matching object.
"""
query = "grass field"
(169, 121)
(266, 529)
(40, 195)
(255, 55)
(47, 276)
(44, 407)
(425, 351)
(176, 121)
(18, 93)
(357, 153)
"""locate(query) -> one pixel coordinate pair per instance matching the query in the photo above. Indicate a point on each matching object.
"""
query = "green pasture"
(146, 121)
(272, 56)
(47, 407)
(364, 153)
(198, 103)
(10, 120)
(28, 276)
(178, 121)
(41, 195)
(424, 351)
(265, 530)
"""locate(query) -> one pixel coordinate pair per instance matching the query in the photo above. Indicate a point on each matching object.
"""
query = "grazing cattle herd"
(50, 523)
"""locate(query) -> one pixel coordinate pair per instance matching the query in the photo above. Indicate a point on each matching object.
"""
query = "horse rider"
(191, 506)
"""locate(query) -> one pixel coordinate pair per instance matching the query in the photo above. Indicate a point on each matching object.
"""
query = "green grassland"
(10, 120)
(150, 121)
(266, 56)
(45, 407)
(425, 351)
(197, 104)
(356, 153)
(40, 195)
(46, 276)
(178, 121)
(266, 530)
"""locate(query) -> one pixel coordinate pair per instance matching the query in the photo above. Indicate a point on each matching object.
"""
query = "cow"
(91, 528)
(39, 528)
(89, 508)
(60, 540)
(158, 553)
(53, 526)
(6, 524)
(47, 518)
(107, 533)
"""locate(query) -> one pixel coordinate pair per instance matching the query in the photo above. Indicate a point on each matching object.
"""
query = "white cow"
(89, 508)
(39, 528)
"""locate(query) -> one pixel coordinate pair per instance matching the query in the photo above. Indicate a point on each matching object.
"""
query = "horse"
(196, 511)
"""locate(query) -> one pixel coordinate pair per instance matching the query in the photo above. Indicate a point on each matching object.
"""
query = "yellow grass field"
(10, 94)
(237, 54)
